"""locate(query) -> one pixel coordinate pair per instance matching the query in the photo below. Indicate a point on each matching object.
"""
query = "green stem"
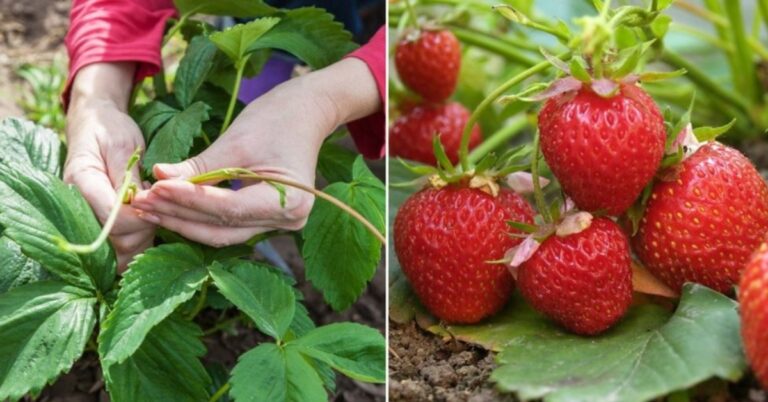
(763, 6)
(111, 219)
(703, 80)
(746, 64)
(233, 99)
(503, 46)
(488, 101)
(221, 325)
(200, 301)
(411, 14)
(702, 13)
(174, 29)
(238, 173)
(495, 140)
(722, 29)
(709, 39)
(496, 45)
(221, 391)
(538, 195)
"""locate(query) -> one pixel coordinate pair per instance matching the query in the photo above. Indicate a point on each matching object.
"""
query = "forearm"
(349, 88)
(103, 83)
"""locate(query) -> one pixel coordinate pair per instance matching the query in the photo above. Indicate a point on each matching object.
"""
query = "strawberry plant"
(59, 292)
(599, 107)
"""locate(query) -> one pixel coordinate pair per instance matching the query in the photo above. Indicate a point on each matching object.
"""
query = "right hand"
(101, 137)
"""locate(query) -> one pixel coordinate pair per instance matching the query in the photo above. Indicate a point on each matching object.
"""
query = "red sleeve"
(116, 30)
(369, 132)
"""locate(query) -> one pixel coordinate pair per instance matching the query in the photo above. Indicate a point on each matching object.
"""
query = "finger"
(132, 242)
(97, 190)
(257, 203)
(212, 235)
(154, 204)
(117, 160)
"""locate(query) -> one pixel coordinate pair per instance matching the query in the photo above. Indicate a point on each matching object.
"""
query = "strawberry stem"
(538, 195)
(112, 218)
(514, 127)
(411, 14)
(488, 101)
(238, 173)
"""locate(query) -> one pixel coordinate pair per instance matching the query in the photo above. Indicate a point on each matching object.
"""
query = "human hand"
(101, 138)
(279, 135)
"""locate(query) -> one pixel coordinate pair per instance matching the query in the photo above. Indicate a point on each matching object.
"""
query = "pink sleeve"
(369, 133)
(116, 30)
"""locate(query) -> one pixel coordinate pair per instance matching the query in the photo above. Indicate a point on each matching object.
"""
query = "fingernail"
(151, 218)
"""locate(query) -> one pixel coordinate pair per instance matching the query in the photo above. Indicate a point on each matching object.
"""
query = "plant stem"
(174, 29)
(238, 173)
(233, 99)
(223, 390)
(703, 80)
(510, 130)
(412, 19)
(488, 101)
(746, 63)
(221, 325)
(538, 195)
(763, 6)
(200, 301)
(702, 13)
(492, 44)
(93, 246)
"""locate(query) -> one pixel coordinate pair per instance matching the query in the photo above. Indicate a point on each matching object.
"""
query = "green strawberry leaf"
(353, 349)
(29, 145)
(647, 355)
(710, 133)
(155, 284)
(270, 373)
(259, 293)
(335, 162)
(238, 42)
(165, 368)
(45, 327)
(18, 269)
(232, 8)
(173, 141)
(342, 272)
(151, 116)
(38, 211)
(311, 34)
(193, 69)
(579, 69)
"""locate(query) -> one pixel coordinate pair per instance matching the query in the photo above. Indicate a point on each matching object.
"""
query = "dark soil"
(423, 367)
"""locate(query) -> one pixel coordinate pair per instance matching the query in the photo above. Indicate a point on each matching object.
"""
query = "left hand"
(280, 135)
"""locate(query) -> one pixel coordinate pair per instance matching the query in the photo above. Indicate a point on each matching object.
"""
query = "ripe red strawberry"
(429, 65)
(583, 281)
(444, 239)
(604, 151)
(411, 135)
(753, 300)
(703, 224)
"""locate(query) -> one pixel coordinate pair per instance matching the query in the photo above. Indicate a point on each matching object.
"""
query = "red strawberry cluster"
(428, 62)
(704, 217)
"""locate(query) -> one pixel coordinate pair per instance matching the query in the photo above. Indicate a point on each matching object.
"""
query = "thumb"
(191, 167)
